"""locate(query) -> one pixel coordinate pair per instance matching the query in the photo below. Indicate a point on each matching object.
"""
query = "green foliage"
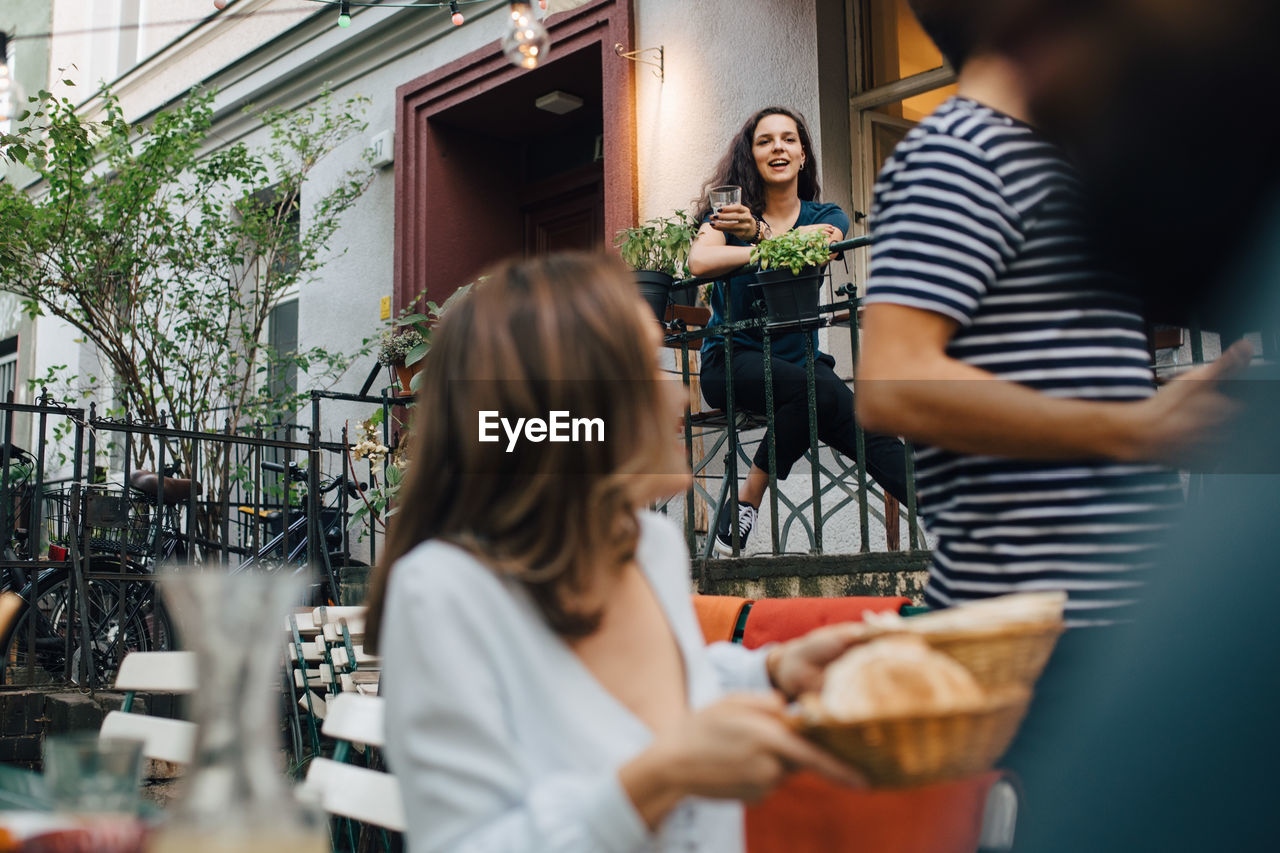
(22, 143)
(793, 250)
(660, 244)
(414, 329)
(168, 250)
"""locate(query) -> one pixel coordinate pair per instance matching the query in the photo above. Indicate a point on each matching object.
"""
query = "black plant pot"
(655, 287)
(790, 298)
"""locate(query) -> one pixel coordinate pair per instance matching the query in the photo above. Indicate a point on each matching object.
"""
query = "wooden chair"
(350, 791)
(154, 672)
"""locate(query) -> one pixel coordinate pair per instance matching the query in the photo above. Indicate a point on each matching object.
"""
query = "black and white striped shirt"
(977, 217)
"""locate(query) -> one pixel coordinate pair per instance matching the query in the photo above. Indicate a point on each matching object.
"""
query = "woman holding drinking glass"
(771, 160)
(547, 687)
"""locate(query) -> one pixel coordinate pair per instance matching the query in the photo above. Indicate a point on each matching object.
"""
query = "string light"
(456, 17)
(10, 99)
(525, 42)
(344, 15)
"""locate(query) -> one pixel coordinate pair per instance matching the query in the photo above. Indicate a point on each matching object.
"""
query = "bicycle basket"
(118, 521)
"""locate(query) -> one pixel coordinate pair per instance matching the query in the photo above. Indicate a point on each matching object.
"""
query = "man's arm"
(907, 385)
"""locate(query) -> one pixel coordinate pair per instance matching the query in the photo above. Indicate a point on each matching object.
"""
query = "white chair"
(346, 790)
(154, 672)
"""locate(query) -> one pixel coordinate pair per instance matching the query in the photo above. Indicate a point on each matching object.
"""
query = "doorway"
(484, 173)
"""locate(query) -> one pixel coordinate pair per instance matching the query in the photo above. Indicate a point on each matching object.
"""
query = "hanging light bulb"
(542, 4)
(344, 15)
(525, 42)
(10, 96)
(457, 16)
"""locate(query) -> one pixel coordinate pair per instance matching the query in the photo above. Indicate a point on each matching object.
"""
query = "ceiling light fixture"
(558, 102)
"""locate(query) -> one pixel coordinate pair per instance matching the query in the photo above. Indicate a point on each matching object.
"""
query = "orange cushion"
(773, 620)
(810, 815)
(718, 615)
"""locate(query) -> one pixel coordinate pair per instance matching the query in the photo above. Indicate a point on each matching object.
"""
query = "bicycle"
(121, 611)
(290, 542)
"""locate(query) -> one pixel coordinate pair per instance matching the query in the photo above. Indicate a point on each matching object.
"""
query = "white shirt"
(504, 742)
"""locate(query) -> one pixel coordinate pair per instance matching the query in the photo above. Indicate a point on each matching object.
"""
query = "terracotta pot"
(404, 374)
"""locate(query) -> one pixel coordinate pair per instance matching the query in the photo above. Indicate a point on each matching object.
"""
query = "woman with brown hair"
(772, 159)
(546, 682)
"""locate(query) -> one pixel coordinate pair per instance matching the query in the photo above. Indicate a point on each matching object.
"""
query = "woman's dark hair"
(738, 166)
(558, 333)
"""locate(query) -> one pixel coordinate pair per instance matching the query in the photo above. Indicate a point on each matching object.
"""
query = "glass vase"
(236, 795)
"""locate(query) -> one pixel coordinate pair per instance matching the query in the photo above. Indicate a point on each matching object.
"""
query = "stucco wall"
(724, 60)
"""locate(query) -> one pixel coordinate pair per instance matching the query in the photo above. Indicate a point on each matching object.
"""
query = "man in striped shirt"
(996, 341)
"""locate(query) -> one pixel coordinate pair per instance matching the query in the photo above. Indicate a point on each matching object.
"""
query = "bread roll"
(896, 676)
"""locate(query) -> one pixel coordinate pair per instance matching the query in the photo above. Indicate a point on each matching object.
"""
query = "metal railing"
(810, 513)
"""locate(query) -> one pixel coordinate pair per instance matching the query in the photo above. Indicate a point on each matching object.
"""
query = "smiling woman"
(772, 158)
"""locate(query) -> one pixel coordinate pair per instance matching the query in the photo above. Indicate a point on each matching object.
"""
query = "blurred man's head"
(1167, 106)
(953, 25)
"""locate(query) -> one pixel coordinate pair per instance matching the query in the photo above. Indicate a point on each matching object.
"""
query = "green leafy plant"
(168, 251)
(397, 344)
(409, 340)
(660, 244)
(793, 250)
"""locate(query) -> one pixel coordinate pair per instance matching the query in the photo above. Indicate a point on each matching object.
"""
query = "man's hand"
(1183, 419)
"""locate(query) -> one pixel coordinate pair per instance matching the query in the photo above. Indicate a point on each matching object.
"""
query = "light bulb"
(542, 4)
(457, 16)
(344, 15)
(219, 4)
(11, 98)
(525, 42)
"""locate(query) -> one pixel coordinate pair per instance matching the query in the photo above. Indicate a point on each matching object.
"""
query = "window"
(898, 78)
(8, 377)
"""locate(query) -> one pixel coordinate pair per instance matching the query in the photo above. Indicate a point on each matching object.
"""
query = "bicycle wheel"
(124, 616)
(43, 663)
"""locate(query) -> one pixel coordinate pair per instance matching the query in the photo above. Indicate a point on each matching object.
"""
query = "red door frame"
(603, 23)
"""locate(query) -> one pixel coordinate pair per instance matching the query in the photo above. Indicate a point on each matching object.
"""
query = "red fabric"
(773, 620)
(718, 615)
(810, 815)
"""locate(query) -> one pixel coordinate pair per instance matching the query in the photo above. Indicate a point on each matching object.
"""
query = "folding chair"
(350, 791)
(155, 672)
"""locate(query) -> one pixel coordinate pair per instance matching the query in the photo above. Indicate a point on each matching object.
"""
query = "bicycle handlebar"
(298, 474)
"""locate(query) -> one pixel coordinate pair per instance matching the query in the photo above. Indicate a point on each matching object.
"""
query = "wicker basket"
(1003, 655)
(903, 752)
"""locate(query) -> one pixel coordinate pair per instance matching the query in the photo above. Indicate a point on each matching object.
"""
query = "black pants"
(886, 461)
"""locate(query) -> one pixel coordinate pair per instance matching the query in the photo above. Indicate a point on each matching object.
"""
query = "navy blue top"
(788, 346)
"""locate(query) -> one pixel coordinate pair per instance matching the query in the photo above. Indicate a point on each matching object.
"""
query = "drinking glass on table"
(721, 196)
(91, 775)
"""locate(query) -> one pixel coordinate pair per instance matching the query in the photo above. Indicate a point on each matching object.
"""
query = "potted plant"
(790, 273)
(397, 346)
(658, 251)
(406, 343)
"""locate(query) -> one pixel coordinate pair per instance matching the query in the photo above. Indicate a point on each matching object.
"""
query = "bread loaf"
(896, 676)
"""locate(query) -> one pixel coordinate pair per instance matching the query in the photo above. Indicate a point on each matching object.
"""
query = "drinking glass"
(91, 775)
(720, 196)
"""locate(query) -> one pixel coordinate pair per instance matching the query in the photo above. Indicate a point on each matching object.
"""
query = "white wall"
(725, 59)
